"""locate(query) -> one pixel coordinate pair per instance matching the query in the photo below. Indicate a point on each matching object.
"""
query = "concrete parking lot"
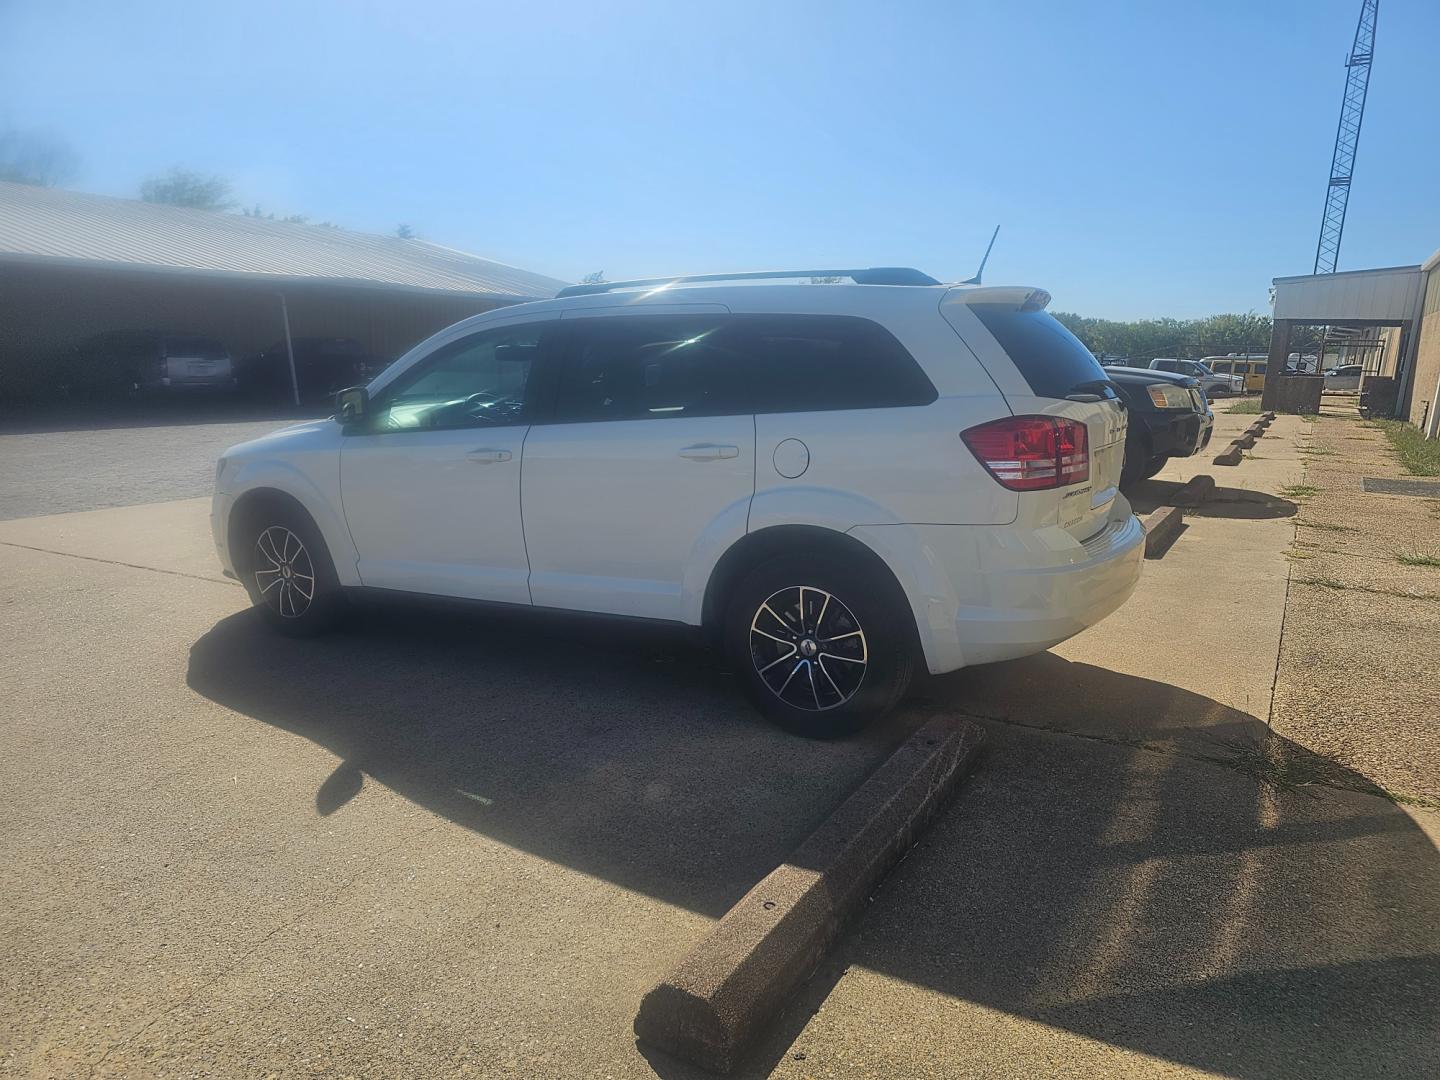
(462, 846)
(65, 461)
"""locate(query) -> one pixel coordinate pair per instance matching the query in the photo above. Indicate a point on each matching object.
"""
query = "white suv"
(835, 480)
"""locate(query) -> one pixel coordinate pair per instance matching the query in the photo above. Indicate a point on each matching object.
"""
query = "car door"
(646, 462)
(430, 481)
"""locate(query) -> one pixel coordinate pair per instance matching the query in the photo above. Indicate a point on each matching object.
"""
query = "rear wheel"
(1153, 466)
(821, 644)
(288, 573)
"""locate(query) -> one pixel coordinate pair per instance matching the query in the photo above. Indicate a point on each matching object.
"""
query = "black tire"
(849, 606)
(280, 553)
(1137, 459)
(1153, 466)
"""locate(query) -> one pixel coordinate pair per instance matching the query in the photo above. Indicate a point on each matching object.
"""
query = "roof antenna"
(976, 279)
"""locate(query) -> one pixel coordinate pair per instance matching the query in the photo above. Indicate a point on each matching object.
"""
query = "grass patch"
(1336, 584)
(1327, 527)
(1418, 455)
(1322, 582)
(1299, 491)
(1408, 559)
(1317, 451)
(1246, 408)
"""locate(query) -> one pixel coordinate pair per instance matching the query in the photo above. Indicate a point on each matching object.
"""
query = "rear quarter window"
(810, 363)
(1052, 360)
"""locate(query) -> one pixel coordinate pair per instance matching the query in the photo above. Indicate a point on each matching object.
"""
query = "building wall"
(1423, 405)
(45, 311)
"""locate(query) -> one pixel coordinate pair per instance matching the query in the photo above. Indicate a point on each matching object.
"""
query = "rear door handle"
(487, 455)
(709, 452)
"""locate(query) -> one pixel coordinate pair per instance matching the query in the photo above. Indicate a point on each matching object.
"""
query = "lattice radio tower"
(1347, 138)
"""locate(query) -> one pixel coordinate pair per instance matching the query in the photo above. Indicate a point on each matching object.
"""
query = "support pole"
(1275, 366)
(290, 351)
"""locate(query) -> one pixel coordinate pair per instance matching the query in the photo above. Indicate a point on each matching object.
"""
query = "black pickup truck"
(1169, 417)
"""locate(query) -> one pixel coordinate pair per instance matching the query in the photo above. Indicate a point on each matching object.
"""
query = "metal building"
(73, 265)
(1395, 309)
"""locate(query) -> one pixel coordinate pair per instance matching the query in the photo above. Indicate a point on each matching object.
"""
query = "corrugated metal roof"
(45, 223)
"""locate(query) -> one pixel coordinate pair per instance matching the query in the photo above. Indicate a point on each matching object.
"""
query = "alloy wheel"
(808, 648)
(284, 574)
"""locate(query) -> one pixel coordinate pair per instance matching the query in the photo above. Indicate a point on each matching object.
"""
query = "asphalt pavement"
(65, 461)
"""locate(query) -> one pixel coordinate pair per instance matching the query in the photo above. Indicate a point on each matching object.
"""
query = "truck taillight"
(1032, 453)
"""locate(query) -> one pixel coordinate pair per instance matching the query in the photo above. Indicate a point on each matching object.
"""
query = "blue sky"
(1142, 159)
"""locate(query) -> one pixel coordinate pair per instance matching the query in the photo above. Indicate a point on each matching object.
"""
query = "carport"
(1372, 318)
(73, 265)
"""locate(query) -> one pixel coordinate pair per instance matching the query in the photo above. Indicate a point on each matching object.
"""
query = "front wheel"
(821, 645)
(1153, 466)
(1137, 460)
(288, 572)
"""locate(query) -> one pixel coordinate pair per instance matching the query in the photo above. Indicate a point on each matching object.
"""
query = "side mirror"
(352, 405)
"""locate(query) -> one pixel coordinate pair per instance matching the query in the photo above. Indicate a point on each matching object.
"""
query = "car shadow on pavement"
(1132, 862)
(1226, 502)
(617, 748)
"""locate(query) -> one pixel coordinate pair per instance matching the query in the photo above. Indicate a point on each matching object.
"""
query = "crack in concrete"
(118, 562)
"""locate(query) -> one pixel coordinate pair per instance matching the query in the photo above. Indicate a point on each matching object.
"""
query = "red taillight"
(1032, 453)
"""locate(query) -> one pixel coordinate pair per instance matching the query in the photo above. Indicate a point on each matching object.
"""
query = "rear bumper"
(1031, 610)
(215, 384)
(987, 593)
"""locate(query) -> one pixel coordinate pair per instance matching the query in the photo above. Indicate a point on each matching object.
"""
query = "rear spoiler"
(1020, 297)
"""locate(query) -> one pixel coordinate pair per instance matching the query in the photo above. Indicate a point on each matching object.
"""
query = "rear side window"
(639, 368)
(808, 363)
(1051, 359)
(653, 367)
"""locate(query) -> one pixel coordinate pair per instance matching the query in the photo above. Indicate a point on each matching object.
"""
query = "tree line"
(1214, 335)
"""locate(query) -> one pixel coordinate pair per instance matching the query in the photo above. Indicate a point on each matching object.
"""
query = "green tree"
(404, 232)
(290, 219)
(597, 278)
(35, 157)
(1142, 340)
(182, 187)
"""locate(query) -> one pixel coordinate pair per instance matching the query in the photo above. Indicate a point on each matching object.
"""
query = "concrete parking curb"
(1231, 455)
(1194, 491)
(1161, 529)
(711, 1006)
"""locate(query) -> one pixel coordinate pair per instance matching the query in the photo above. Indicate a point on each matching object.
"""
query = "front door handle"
(487, 455)
(709, 452)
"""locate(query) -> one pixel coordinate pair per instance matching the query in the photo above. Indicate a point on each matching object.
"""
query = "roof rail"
(874, 275)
